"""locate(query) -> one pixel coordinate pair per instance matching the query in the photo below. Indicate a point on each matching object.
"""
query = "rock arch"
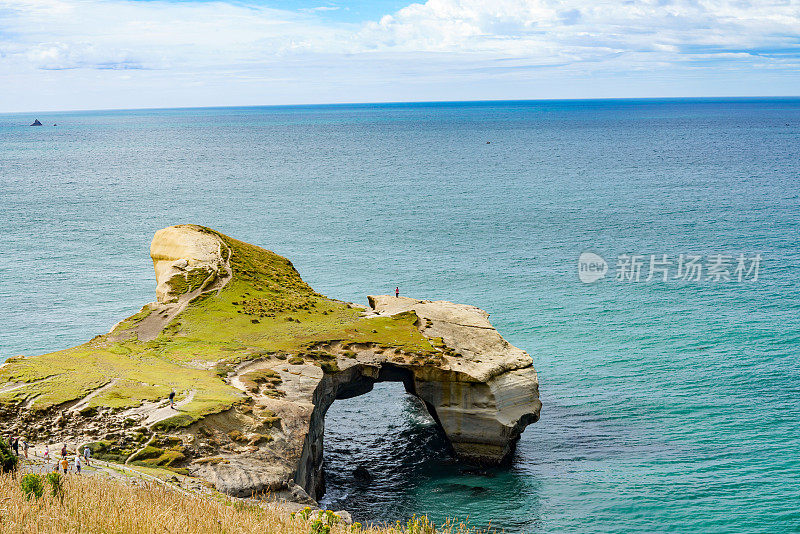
(482, 421)
(258, 357)
(481, 390)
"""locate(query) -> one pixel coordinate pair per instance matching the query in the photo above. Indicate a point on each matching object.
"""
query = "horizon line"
(421, 102)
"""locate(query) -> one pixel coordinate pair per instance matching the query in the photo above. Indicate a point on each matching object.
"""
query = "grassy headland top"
(235, 303)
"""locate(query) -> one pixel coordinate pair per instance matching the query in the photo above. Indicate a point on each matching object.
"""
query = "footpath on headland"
(37, 463)
(135, 475)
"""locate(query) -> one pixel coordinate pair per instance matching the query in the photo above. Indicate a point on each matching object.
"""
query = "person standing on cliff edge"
(397, 292)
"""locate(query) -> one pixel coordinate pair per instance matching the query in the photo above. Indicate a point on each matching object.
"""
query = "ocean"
(668, 404)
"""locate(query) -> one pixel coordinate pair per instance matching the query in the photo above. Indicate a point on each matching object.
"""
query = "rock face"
(484, 398)
(257, 358)
(36, 123)
(483, 393)
(185, 260)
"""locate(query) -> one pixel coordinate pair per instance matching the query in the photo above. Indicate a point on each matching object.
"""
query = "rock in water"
(362, 474)
(256, 358)
(36, 123)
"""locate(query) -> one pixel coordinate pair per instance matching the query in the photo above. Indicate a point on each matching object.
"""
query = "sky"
(110, 54)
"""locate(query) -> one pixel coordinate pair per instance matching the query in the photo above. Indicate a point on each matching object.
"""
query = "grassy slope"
(266, 308)
(96, 504)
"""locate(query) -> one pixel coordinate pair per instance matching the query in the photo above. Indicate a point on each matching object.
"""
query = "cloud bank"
(499, 46)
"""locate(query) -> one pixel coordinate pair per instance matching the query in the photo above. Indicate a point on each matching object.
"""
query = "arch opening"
(352, 382)
(480, 426)
(375, 445)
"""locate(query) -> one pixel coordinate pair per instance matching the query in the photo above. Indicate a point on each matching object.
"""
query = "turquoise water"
(668, 406)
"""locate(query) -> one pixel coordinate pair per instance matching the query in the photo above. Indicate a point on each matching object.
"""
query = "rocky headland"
(256, 357)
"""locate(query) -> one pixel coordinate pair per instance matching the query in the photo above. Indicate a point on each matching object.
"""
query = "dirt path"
(36, 463)
(187, 485)
(84, 402)
(163, 314)
(159, 414)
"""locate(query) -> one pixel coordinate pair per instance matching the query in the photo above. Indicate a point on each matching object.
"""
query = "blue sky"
(352, 11)
(99, 54)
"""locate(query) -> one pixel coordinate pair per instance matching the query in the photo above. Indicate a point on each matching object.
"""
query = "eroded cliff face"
(185, 259)
(484, 392)
(257, 358)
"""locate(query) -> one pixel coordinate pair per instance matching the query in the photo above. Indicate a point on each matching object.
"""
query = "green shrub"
(331, 518)
(318, 527)
(32, 485)
(174, 423)
(156, 457)
(89, 411)
(420, 525)
(56, 483)
(107, 451)
(8, 460)
(304, 513)
(324, 521)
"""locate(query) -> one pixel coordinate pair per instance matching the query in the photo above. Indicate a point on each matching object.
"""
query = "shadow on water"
(386, 460)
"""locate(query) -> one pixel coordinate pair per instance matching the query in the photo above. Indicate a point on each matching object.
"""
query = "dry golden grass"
(104, 505)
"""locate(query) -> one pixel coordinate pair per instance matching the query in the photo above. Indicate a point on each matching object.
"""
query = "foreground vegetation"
(84, 504)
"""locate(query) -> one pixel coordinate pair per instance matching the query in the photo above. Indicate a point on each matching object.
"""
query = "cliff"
(256, 357)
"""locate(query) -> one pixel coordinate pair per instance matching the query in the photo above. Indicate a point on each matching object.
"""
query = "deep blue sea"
(669, 406)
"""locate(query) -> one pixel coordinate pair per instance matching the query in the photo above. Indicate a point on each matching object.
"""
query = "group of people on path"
(61, 465)
(16, 442)
(64, 464)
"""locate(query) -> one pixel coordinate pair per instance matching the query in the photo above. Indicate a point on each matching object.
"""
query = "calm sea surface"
(668, 406)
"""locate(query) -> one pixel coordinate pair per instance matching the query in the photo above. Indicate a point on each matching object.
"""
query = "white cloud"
(83, 33)
(157, 34)
(320, 9)
(459, 39)
(572, 28)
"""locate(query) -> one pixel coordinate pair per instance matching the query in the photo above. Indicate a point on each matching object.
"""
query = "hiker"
(25, 447)
(87, 454)
(78, 464)
(65, 464)
(172, 399)
(64, 451)
(47, 452)
(15, 446)
(397, 292)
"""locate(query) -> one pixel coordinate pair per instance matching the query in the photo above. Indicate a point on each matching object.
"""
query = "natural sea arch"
(353, 382)
(437, 396)
(381, 448)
